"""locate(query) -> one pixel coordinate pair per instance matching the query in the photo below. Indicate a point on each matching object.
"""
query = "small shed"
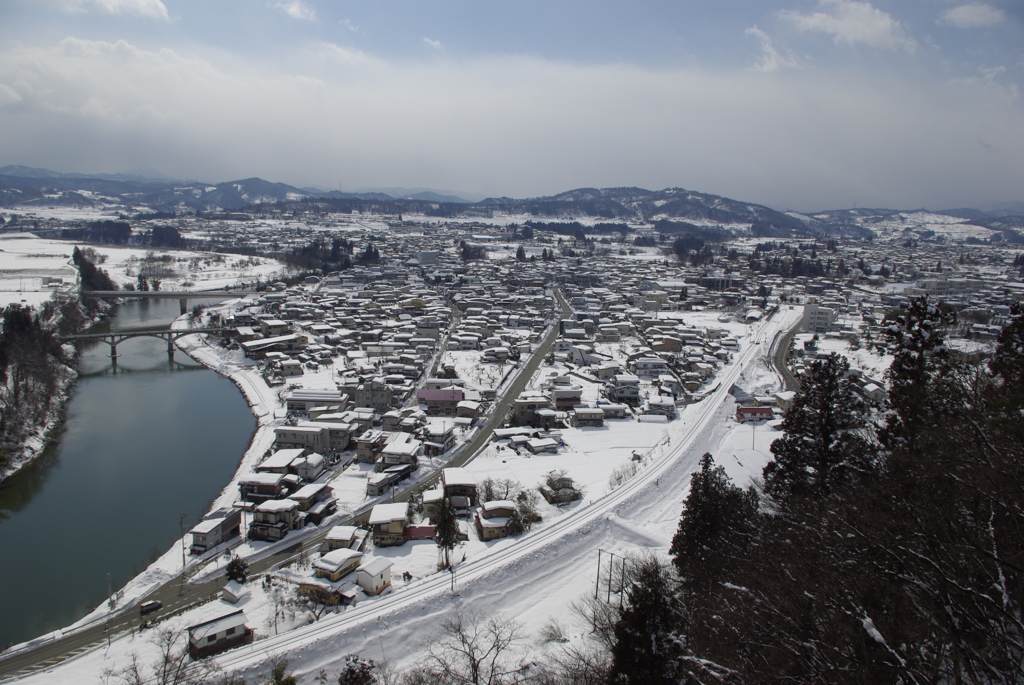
(234, 592)
(218, 634)
(375, 575)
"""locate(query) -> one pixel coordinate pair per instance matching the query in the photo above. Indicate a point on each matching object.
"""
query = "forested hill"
(127, 194)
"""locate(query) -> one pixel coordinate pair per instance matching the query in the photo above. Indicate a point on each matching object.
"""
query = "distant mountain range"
(671, 209)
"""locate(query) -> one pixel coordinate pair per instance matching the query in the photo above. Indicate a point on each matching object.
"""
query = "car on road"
(149, 607)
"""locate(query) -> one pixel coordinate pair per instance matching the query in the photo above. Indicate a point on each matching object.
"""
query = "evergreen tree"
(715, 525)
(521, 254)
(446, 532)
(357, 671)
(237, 570)
(642, 653)
(1008, 362)
(822, 448)
(914, 338)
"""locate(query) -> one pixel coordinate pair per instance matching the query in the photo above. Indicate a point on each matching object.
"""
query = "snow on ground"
(533, 578)
(863, 358)
(185, 269)
(477, 376)
(30, 212)
(27, 263)
(896, 227)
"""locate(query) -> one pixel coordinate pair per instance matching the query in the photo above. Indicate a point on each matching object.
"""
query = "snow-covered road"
(535, 579)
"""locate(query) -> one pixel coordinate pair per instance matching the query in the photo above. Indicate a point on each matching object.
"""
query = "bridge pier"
(184, 305)
(170, 347)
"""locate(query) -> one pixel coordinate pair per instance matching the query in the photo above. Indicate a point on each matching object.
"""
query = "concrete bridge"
(183, 296)
(113, 339)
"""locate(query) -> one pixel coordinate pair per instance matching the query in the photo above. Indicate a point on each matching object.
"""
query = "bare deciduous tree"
(473, 650)
(172, 667)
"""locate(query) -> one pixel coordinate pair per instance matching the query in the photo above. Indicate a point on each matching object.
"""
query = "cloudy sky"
(798, 104)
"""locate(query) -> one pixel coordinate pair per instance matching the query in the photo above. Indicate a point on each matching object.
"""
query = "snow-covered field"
(532, 578)
(29, 265)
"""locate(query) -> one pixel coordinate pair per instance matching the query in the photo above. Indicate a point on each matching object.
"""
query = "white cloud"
(297, 9)
(801, 139)
(8, 96)
(350, 26)
(852, 22)
(154, 9)
(436, 44)
(770, 59)
(339, 53)
(972, 16)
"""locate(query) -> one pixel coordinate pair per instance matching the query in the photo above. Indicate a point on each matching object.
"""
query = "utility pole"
(181, 527)
(110, 608)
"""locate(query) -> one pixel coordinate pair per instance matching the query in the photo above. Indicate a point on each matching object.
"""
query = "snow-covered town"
(473, 405)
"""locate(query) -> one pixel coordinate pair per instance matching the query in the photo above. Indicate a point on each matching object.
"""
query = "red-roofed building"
(745, 414)
(441, 402)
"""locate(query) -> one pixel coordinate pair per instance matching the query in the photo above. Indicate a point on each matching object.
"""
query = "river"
(143, 442)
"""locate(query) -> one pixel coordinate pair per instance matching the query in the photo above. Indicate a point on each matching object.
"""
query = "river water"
(143, 442)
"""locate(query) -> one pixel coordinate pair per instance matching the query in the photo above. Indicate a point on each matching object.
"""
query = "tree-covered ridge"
(33, 371)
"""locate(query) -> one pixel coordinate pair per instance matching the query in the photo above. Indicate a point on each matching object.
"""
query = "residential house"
(280, 461)
(784, 399)
(565, 398)
(542, 445)
(661, 405)
(431, 500)
(492, 519)
(441, 402)
(337, 563)
(274, 518)
(624, 387)
(747, 414)
(615, 411)
(439, 439)
(467, 409)
(387, 522)
(341, 537)
(649, 367)
(459, 485)
(401, 448)
(216, 529)
(316, 500)
(369, 445)
(290, 368)
(524, 412)
(257, 487)
(587, 416)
